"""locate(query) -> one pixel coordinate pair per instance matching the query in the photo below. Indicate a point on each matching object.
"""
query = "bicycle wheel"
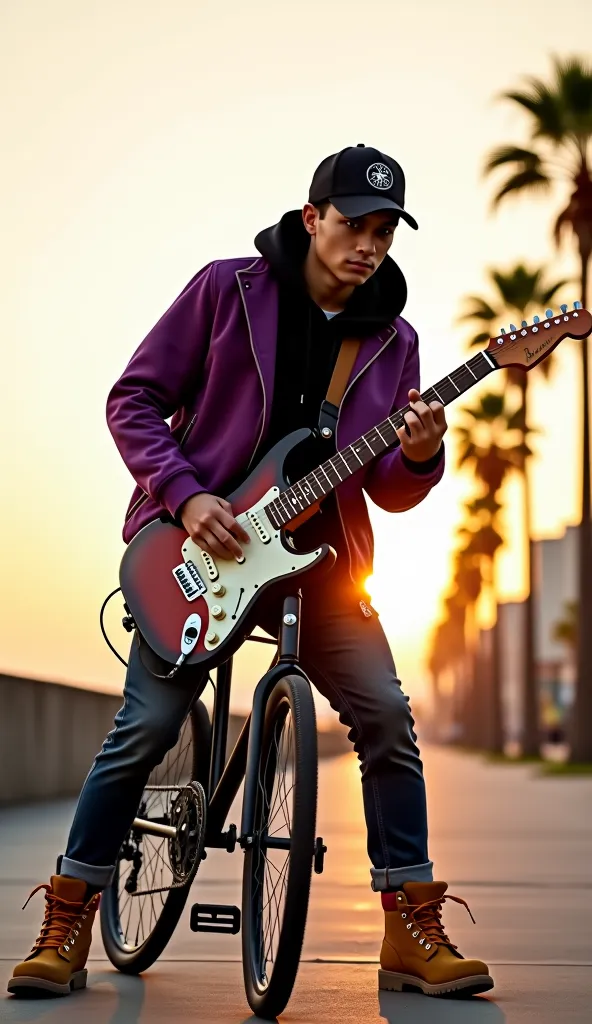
(278, 866)
(139, 912)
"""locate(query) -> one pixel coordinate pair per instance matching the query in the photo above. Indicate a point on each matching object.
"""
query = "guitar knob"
(218, 612)
(218, 589)
(212, 637)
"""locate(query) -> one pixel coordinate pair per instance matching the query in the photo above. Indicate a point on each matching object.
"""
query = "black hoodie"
(307, 349)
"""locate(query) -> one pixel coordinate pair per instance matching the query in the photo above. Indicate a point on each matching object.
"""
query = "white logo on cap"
(380, 176)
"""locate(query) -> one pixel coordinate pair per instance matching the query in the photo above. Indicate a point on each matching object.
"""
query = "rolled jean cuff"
(92, 874)
(393, 878)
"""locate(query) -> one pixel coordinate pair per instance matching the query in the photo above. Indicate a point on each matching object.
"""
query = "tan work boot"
(416, 952)
(56, 962)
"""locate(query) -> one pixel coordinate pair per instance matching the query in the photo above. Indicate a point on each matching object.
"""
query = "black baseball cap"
(360, 180)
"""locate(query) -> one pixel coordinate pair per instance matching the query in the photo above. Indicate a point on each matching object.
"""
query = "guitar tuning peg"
(536, 319)
(577, 305)
(563, 307)
(548, 313)
(513, 327)
(525, 323)
(503, 330)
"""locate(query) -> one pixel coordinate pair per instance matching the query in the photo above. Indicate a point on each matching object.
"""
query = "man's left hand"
(427, 426)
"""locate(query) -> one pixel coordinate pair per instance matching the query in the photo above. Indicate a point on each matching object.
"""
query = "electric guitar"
(191, 608)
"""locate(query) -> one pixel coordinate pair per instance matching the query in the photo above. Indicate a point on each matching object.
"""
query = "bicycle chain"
(174, 885)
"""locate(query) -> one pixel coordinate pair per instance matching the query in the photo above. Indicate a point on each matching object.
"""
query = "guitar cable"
(156, 675)
(101, 622)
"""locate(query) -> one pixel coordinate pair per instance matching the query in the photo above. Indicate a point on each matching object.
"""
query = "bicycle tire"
(268, 995)
(134, 959)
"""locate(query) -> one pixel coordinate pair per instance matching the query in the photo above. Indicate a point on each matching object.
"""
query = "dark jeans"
(347, 657)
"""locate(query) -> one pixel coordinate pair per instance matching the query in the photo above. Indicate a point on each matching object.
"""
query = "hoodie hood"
(372, 306)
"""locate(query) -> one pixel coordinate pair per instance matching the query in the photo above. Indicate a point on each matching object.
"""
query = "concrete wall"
(50, 734)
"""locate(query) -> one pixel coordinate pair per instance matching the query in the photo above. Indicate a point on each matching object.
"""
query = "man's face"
(352, 250)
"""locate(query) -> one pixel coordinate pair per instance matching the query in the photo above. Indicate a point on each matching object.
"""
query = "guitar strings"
(391, 420)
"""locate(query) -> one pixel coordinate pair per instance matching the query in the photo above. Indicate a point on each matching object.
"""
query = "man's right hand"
(210, 524)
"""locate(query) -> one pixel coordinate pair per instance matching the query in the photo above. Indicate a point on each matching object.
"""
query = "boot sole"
(24, 986)
(391, 981)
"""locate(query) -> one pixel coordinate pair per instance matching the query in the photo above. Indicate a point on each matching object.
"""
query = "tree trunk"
(581, 717)
(436, 717)
(495, 738)
(468, 711)
(530, 742)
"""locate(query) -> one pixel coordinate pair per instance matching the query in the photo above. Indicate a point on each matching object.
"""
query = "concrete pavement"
(517, 847)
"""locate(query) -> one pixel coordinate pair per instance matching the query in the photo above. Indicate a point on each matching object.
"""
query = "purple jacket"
(209, 364)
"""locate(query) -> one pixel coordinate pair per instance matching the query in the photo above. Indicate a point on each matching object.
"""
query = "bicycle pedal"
(212, 917)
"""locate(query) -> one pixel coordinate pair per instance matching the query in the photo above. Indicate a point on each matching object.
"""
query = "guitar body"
(161, 600)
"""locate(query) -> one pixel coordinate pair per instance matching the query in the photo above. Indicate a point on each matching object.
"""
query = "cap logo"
(380, 176)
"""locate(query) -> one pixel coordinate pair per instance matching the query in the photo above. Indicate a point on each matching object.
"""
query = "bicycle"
(184, 815)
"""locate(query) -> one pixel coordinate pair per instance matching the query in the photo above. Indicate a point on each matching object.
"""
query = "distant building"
(556, 574)
(511, 626)
(556, 581)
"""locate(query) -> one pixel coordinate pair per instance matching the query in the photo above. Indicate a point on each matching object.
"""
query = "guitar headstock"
(528, 345)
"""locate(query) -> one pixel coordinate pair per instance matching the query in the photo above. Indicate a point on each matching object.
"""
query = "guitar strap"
(343, 367)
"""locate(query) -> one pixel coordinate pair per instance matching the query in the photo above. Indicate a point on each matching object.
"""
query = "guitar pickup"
(259, 528)
(210, 565)
(212, 917)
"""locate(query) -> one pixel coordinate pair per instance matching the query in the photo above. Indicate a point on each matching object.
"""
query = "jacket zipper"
(363, 604)
(143, 497)
(187, 430)
(256, 364)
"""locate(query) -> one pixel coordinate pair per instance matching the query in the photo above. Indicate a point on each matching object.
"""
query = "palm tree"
(493, 443)
(447, 650)
(481, 539)
(467, 584)
(518, 294)
(560, 116)
(491, 440)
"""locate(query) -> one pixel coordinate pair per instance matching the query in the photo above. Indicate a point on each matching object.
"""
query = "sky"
(142, 140)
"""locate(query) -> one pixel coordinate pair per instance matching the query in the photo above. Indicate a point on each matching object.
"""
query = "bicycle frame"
(225, 779)
(225, 776)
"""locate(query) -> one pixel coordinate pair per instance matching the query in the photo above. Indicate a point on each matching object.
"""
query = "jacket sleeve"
(157, 381)
(394, 482)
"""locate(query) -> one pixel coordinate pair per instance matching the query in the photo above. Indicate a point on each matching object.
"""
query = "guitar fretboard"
(316, 485)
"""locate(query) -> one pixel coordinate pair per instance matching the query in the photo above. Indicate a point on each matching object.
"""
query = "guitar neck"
(316, 485)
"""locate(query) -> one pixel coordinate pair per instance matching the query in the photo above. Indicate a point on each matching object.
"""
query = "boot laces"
(428, 916)
(60, 918)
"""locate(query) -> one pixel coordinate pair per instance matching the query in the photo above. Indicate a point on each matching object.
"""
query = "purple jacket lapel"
(259, 292)
(369, 349)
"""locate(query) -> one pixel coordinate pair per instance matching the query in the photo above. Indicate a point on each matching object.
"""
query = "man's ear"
(310, 218)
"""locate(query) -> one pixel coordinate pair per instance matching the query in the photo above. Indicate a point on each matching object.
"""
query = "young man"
(244, 356)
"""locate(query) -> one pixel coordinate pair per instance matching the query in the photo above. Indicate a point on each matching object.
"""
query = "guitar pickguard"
(265, 560)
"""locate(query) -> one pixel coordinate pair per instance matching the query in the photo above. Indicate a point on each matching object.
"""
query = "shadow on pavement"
(414, 1008)
(129, 992)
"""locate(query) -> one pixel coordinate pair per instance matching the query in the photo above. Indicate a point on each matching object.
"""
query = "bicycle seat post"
(289, 638)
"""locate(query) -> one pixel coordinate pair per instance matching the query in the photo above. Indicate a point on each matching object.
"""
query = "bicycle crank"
(185, 832)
